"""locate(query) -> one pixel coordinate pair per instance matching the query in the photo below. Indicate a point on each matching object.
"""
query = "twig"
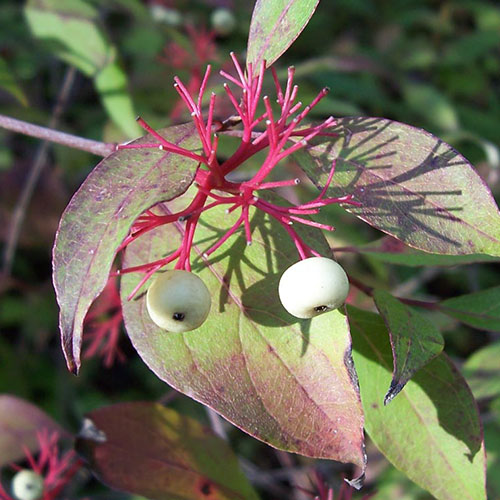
(216, 423)
(48, 134)
(36, 170)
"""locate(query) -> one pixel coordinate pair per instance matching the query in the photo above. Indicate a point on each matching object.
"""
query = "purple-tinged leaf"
(275, 25)
(415, 340)
(393, 251)
(19, 423)
(410, 184)
(482, 371)
(479, 309)
(285, 381)
(431, 431)
(149, 450)
(98, 217)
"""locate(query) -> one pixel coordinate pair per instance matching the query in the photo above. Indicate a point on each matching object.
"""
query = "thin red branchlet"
(193, 59)
(57, 469)
(282, 136)
(102, 326)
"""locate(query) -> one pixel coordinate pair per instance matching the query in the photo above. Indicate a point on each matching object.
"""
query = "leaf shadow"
(396, 198)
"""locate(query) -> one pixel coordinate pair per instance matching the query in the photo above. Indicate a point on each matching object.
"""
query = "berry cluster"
(282, 136)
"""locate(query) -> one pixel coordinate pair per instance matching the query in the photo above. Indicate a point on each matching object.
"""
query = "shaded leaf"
(149, 450)
(98, 217)
(285, 381)
(19, 423)
(431, 431)
(411, 185)
(72, 30)
(275, 26)
(415, 340)
(479, 309)
(482, 371)
(393, 251)
(9, 84)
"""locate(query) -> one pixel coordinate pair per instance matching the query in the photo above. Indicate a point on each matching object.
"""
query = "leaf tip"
(394, 390)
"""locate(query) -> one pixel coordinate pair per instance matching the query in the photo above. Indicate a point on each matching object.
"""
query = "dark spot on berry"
(320, 309)
(206, 488)
(178, 316)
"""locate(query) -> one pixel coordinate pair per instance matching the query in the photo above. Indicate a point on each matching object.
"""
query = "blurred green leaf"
(470, 47)
(71, 29)
(482, 371)
(431, 431)
(479, 309)
(146, 449)
(9, 84)
(415, 340)
(429, 103)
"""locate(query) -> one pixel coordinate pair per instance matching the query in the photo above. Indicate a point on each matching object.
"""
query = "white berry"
(27, 485)
(313, 286)
(178, 301)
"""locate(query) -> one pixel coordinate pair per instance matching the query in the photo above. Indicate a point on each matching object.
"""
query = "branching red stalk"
(213, 189)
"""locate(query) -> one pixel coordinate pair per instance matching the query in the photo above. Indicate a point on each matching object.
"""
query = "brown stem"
(368, 290)
(48, 134)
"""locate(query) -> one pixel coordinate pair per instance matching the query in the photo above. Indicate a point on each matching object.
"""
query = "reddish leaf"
(411, 185)
(275, 26)
(149, 450)
(415, 340)
(99, 216)
(285, 381)
(19, 423)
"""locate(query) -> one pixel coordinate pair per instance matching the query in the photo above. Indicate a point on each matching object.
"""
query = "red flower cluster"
(283, 135)
(56, 469)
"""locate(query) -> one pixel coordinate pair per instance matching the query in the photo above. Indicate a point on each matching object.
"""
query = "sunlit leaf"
(99, 216)
(19, 423)
(479, 309)
(415, 340)
(275, 26)
(72, 31)
(286, 381)
(431, 431)
(149, 450)
(410, 184)
(482, 371)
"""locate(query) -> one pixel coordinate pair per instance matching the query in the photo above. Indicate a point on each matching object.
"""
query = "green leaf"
(118, 190)
(392, 251)
(149, 450)
(111, 83)
(415, 340)
(9, 84)
(427, 102)
(431, 432)
(287, 382)
(410, 184)
(20, 421)
(482, 371)
(71, 28)
(479, 309)
(275, 25)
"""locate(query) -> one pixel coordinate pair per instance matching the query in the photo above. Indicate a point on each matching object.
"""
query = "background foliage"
(430, 64)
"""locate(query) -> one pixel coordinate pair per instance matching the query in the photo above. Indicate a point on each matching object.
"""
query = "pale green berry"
(313, 286)
(223, 22)
(170, 17)
(178, 301)
(27, 485)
